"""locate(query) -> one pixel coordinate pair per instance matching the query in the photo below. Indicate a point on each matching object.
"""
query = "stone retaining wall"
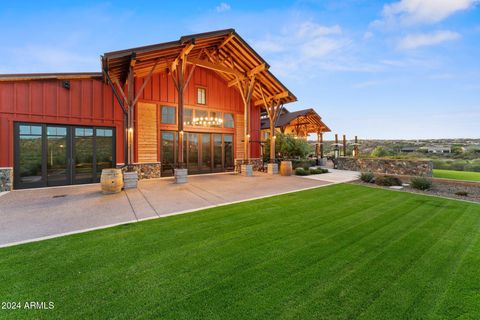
(387, 166)
(6, 179)
(257, 164)
(147, 170)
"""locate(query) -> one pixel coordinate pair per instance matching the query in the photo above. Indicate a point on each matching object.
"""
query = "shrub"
(324, 170)
(367, 177)
(388, 181)
(421, 183)
(303, 163)
(462, 193)
(317, 170)
(301, 172)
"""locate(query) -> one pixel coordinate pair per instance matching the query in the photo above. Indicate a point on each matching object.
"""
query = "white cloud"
(366, 84)
(367, 35)
(414, 41)
(222, 7)
(312, 29)
(422, 11)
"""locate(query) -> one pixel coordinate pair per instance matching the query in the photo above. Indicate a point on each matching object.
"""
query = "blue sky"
(376, 69)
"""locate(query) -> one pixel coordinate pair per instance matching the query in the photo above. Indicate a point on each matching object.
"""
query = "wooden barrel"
(286, 168)
(111, 180)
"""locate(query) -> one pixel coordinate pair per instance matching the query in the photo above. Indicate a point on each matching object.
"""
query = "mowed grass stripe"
(416, 292)
(354, 292)
(345, 246)
(283, 264)
(192, 275)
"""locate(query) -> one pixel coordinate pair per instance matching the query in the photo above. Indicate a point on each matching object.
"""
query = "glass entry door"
(54, 155)
(202, 152)
(58, 168)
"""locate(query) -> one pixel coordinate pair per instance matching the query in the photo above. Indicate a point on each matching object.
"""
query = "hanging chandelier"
(207, 121)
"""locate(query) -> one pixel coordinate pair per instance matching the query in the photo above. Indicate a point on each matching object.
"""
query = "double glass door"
(203, 152)
(53, 155)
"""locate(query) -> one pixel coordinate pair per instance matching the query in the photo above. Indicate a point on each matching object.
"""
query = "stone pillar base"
(272, 168)
(130, 180)
(6, 179)
(247, 170)
(181, 175)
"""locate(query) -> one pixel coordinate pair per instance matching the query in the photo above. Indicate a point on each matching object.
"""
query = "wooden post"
(344, 146)
(355, 148)
(317, 147)
(321, 144)
(180, 91)
(130, 115)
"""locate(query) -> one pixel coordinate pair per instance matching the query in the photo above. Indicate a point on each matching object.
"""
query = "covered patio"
(30, 215)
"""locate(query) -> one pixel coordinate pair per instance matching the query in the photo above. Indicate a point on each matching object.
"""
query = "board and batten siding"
(88, 102)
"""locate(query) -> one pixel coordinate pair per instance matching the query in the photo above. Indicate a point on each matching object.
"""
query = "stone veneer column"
(6, 179)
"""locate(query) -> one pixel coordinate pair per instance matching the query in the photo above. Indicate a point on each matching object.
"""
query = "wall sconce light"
(66, 84)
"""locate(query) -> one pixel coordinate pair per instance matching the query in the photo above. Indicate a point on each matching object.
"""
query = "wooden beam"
(257, 69)
(145, 81)
(121, 92)
(278, 96)
(215, 67)
(185, 51)
(227, 40)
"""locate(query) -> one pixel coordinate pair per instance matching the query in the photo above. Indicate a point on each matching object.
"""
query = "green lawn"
(457, 175)
(344, 251)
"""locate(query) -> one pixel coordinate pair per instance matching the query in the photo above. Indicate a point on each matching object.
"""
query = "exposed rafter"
(185, 51)
(278, 96)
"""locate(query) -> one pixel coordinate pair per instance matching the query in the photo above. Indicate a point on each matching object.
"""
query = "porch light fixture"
(207, 121)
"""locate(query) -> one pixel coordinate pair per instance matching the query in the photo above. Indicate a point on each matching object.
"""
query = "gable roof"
(307, 118)
(225, 49)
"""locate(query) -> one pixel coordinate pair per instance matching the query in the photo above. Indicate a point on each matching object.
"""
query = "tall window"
(187, 116)
(201, 96)
(228, 120)
(168, 115)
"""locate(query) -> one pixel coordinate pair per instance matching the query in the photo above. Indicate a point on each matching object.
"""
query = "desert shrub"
(324, 170)
(388, 181)
(303, 163)
(316, 170)
(367, 177)
(421, 183)
(380, 152)
(301, 172)
(462, 193)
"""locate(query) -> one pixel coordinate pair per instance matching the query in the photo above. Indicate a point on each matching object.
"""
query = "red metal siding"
(88, 102)
(161, 89)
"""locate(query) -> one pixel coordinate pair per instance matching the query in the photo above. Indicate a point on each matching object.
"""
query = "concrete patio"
(35, 214)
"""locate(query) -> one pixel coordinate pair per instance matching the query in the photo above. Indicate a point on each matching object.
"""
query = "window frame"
(199, 88)
(175, 120)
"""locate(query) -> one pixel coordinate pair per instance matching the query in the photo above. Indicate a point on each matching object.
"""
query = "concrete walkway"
(36, 214)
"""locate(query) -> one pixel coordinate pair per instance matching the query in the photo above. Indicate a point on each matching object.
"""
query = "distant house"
(409, 149)
(439, 149)
(299, 123)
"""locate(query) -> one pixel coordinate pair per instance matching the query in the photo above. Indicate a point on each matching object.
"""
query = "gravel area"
(439, 189)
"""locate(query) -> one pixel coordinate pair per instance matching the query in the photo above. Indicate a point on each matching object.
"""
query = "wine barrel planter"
(111, 181)
(286, 168)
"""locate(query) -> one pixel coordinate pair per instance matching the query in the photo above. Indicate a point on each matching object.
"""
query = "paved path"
(29, 215)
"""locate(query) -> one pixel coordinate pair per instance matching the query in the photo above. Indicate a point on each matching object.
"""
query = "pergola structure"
(223, 51)
(300, 123)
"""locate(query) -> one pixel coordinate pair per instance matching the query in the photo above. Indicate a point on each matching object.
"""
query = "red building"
(192, 103)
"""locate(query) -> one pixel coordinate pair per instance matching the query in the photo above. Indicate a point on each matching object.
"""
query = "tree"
(379, 152)
(288, 147)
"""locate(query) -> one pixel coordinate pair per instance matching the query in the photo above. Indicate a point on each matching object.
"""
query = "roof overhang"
(222, 51)
(53, 76)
